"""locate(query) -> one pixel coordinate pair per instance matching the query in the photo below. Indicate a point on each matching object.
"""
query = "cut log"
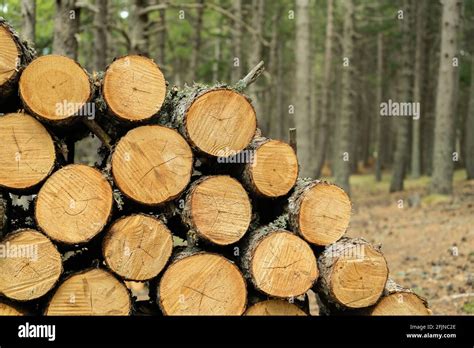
(14, 57)
(275, 307)
(30, 265)
(279, 263)
(202, 284)
(216, 121)
(137, 247)
(56, 89)
(353, 274)
(152, 164)
(273, 169)
(27, 155)
(90, 292)
(134, 88)
(74, 204)
(319, 211)
(397, 300)
(218, 209)
(7, 309)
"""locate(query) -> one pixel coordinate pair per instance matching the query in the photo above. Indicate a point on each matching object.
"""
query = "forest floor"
(428, 240)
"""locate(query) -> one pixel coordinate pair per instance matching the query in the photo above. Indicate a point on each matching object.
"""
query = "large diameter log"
(319, 211)
(275, 307)
(397, 300)
(56, 89)
(273, 168)
(137, 247)
(134, 88)
(152, 164)
(218, 209)
(353, 274)
(279, 263)
(74, 204)
(27, 154)
(90, 292)
(14, 56)
(216, 121)
(202, 284)
(30, 265)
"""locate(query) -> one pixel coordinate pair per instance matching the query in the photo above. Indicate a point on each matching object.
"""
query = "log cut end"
(219, 210)
(74, 204)
(221, 122)
(274, 169)
(283, 265)
(9, 56)
(402, 303)
(134, 88)
(92, 292)
(9, 310)
(137, 247)
(202, 284)
(54, 88)
(28, 153)
(275, 307)
(324, 213)
(152, 164)
(30, 265)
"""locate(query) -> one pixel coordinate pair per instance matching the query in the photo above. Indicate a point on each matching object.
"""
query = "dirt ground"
(428, 240)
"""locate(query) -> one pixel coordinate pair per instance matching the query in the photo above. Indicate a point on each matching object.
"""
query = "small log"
(74, 204)
(200, 283)
(90, 292)
(152, 165)
(133, 89)
(15, 55)
(30, 265)
(56, 89)
(216, 121)
(27, 155)
(397, 300)
(353, 274)
(218, 209)
(277, 262)
(273, 169)
(137, 247)
(275, 307)
(319, 211)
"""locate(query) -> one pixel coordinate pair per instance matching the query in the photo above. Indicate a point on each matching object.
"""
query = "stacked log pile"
(189, 200)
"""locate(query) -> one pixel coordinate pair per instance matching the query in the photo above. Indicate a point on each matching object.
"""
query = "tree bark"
(100, 30)
(322, 139)
(66, 27)
(302, 95)
(28, 14)
(403, 122)
(443, 165)
(469, 142)
(344, 150)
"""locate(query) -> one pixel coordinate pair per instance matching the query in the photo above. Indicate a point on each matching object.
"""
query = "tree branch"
(250, 77)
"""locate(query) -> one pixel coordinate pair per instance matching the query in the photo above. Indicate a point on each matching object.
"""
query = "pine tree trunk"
(380, 124)
(469, 151)
(138, 26)
(443, 165)
(237, 58)
(66, 27)
(323, 128)
(402, 149)
(302, 95)
(345, 153)
(100, 31)
(197, 42)
(28, 14)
